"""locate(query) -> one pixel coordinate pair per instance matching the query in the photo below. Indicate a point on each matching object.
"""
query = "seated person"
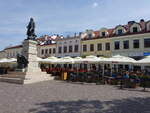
(126, 75)
(114, 75)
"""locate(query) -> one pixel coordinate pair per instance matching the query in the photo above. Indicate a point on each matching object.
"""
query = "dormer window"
(90, 35)
(135, 29)
(120, 31)
(103, 34)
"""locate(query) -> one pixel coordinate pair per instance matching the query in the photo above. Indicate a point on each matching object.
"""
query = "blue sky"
(65, 16)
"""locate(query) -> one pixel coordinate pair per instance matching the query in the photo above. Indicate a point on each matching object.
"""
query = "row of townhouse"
(135, 46)
(11, 52)
(132, 39)
(63, 47)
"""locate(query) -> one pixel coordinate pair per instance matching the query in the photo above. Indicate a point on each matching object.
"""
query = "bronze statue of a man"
(22, 62)
(31, 30)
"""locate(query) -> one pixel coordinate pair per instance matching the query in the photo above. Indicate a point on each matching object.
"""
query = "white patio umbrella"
(66, 60)
(3, 60)
(39, 59)
(51, 60)
(144, 61)
(91, 59)
(118, 59)
(78, 59)
(8, 62)
(12, 60)
(103, 60)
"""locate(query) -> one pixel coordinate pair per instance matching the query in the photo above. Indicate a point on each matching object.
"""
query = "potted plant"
(132, 82)
(145, 81)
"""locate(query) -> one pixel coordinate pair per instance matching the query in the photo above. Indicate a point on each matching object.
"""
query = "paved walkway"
(62, 97)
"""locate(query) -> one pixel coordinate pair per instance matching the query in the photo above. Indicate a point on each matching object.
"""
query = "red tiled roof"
(127, 27)
(46, 37)
(47, 44)
(110, 31)
(96, 33)
(12, 47)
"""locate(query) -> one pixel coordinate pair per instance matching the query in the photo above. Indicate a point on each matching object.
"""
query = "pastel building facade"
(11, 52)
(131, 40)
(2, 54)
(97, 47)
(68, 47)
(45, 51)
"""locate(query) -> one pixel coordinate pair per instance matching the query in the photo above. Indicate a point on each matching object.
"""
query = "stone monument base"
(25, 78)
(33, 72)
(35, 77)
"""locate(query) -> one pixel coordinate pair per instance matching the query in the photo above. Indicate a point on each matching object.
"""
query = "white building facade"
(68, 47)
(2, 54)
(12, 52)
(45, 51)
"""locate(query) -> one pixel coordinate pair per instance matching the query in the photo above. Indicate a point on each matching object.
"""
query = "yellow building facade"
(102, 51)
(45, 51)
(131, 51)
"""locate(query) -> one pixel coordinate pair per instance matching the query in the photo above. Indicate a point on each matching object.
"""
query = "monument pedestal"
(33, 72)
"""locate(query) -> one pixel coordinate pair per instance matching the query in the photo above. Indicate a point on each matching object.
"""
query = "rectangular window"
(120, 31)
(136, 44)
(46, 51)
(84, 48)
(135, 30)
(59, 50)
(65, 49)
(107, 45)
(50, 51)
(99, 47)
(147, 43)
(126, 44)
(54, 50)
(42, 51)
(70, 49)
(91, 47)
(117, 45)
(103, 34)
(76, 48)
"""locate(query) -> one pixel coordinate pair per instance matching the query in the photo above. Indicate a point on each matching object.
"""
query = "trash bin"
(64, 75)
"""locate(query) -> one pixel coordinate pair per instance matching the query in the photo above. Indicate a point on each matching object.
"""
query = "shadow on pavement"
(134, 105)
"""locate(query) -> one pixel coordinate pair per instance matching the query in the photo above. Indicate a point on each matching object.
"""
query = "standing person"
(121, 79)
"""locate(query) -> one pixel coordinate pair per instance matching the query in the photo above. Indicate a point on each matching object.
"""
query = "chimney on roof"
(46, 37)
(80, 33)
(142, 20)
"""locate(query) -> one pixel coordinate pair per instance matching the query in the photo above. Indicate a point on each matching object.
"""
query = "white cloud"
(95, 4)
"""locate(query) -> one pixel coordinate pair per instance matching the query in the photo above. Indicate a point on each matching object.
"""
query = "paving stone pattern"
(63, 97)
